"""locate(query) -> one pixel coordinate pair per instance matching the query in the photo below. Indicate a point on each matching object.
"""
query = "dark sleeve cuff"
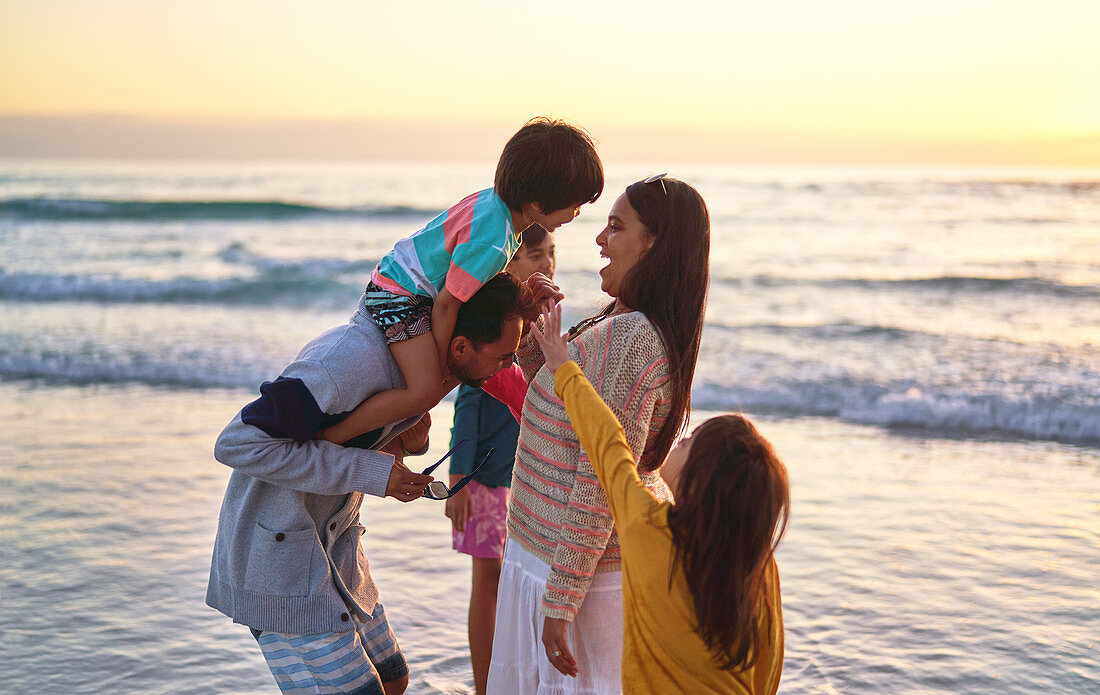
(285, 409)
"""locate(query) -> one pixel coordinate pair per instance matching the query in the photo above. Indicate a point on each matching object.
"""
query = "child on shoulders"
(548, 170)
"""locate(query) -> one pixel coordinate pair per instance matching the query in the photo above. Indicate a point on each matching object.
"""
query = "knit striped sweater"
(558, 510)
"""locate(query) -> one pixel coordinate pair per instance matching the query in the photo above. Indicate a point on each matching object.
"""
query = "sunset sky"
(1012, 81)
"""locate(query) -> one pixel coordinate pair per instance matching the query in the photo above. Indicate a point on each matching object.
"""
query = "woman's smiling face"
(623, 241)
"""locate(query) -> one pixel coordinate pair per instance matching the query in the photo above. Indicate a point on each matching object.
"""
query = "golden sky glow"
(808, 71)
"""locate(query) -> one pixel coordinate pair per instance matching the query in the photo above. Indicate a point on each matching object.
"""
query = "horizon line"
(276, 138)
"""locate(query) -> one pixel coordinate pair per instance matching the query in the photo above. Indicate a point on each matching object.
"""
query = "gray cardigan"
(287, 556)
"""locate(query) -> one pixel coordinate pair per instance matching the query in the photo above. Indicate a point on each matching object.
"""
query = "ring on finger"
(555, 654)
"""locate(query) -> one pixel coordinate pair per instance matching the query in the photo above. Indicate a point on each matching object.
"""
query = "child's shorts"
(335, 663)
(400, 317)
(487, 528)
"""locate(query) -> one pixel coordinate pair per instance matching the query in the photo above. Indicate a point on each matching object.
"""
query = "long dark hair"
(669, 285)
(730, 513)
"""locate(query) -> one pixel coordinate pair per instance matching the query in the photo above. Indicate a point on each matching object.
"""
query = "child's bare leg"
(419, 363)
(481, 620)
(396, 687)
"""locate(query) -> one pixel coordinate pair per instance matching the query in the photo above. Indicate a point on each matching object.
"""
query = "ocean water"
(922, 346)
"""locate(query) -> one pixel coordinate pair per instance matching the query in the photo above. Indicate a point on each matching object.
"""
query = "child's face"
(534, 259)
(674, 464)
(551, 220)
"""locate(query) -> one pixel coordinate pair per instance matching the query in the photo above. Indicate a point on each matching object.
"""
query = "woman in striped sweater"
(559, 614)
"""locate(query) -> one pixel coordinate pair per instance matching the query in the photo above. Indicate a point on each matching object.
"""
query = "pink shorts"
(487, 527)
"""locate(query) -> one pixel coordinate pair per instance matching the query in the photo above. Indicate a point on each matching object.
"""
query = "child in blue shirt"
(547, 171)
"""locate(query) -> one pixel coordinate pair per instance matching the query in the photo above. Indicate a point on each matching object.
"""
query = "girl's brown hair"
(669, 285)
(730, 513)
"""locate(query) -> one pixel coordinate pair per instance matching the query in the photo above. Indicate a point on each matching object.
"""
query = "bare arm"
(444, 315)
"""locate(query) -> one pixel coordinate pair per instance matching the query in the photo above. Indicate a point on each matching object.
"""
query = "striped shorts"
(400, 317)
(335, 663)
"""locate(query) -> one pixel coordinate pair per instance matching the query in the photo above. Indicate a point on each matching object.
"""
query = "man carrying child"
(287, 561)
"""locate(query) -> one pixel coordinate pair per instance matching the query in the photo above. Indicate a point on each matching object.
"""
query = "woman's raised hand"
(551, 340)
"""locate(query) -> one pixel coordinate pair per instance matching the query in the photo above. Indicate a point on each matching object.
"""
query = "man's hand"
(404, 485)
(416, 437)
(543, 290)
(459, 506)
(394, 448)
(557, 646)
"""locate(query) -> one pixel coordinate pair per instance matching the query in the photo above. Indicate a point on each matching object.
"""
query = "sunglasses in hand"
(437, 489)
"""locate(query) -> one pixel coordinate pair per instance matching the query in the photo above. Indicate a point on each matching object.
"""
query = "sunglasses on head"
(437, 489)
(658, 177)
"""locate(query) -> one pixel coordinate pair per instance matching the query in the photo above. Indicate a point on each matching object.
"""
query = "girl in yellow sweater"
(701, 606)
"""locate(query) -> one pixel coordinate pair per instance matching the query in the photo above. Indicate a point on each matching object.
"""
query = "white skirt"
(519, 665)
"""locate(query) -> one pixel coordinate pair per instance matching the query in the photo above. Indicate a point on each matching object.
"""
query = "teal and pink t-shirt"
(461, 249)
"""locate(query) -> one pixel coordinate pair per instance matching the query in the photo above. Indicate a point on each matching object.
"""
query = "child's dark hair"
(481, 319)
(730, 513)
(550, 163)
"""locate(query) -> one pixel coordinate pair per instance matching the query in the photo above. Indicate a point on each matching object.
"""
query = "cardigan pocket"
(279, 563)
(347, 557)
